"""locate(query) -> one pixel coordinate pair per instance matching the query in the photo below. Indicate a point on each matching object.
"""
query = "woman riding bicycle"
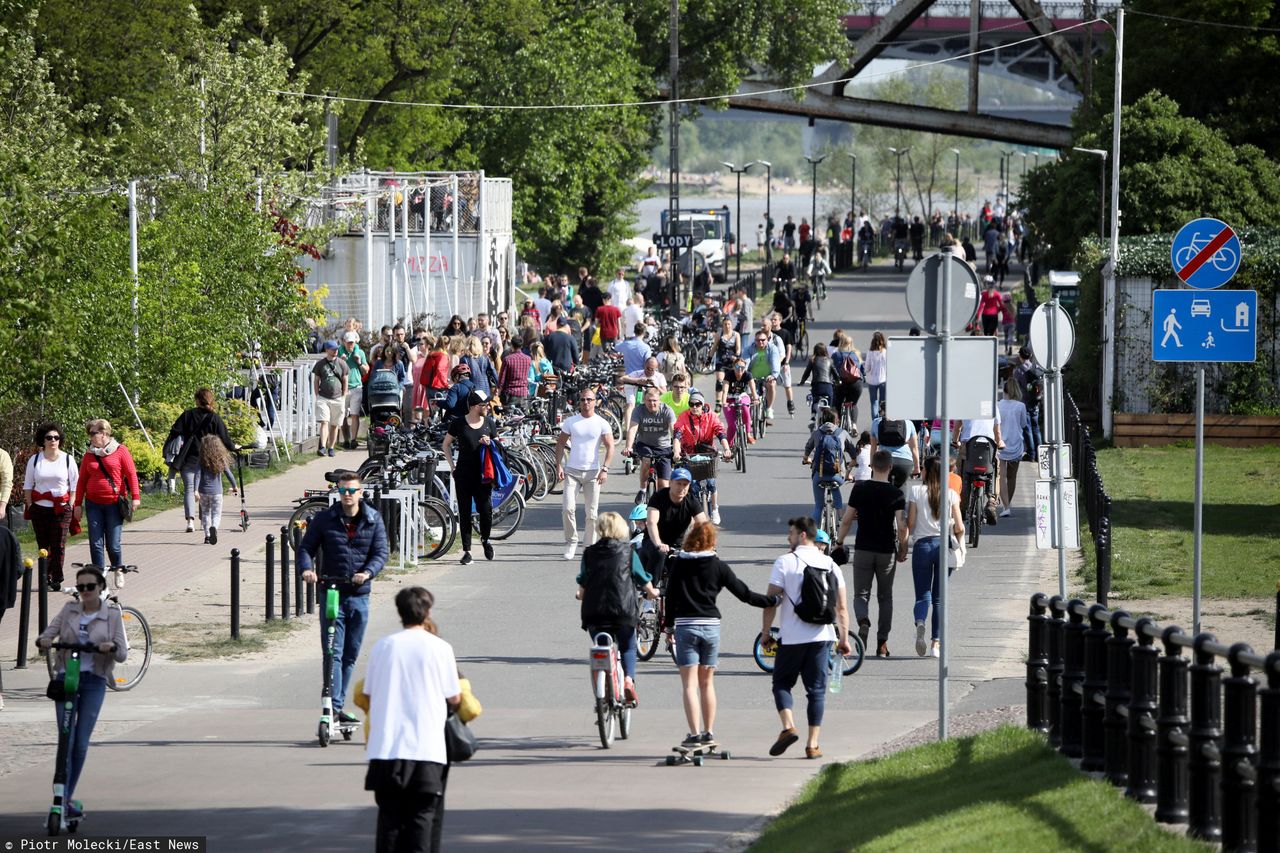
(728, 348)
(739, 382)
(89, 621)
(823, 372)
(610, 574)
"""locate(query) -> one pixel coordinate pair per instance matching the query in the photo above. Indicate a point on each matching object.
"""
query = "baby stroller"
(383, 398)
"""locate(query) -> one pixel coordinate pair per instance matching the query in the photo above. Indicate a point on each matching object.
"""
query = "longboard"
(695, 754)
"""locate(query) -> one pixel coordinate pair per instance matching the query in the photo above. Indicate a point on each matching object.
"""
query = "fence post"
(1172, 739)
(1038, 665)
(271, 577)
(1142, 715)
(284, 576)
(1093, 700)
(1055, 671)
(1072, 678)
(1115, 723)
(42, 602)
(1102, 549)
(1239, 752)
(1269, 759)
(1205, 820)
(24, 615)
(235, 593)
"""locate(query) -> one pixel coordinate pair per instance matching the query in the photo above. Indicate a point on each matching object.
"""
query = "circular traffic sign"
(924, 293)
(1205, 253)
(1052, 358)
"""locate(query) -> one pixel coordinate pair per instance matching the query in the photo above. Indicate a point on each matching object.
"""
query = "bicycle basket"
(701, 467)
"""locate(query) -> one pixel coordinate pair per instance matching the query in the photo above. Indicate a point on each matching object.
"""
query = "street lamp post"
(955, 212)
(897, 204)
(853, 204)
(1101, 154)
(1006, 161)
(813, 210)
(768, 211)
(737, 249)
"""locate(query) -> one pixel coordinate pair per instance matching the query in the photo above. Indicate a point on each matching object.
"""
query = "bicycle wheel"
(973, 517)
(647, 635)
(301, 516)
(623, 713)
(763, 659)
(853, 662)
(615, 423)
(437, 528)
(829, 520)
(137, 637)
(740, 451)
(507, 517)
(604, 716)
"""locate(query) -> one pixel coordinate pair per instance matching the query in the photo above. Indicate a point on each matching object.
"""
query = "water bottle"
(836, 681)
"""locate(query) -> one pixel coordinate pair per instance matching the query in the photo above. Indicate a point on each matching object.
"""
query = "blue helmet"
(822, 538)
(639, 512)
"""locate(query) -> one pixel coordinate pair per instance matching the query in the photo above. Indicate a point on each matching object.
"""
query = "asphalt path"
(227, 749)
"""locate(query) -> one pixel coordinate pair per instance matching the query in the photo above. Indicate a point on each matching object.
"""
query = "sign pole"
(1056, 450)
(1198, 537)
(944, 503)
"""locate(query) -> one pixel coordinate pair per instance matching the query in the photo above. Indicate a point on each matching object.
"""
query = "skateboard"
(694, 754)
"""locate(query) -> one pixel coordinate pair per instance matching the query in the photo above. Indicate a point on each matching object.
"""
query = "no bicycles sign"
(1205, 253)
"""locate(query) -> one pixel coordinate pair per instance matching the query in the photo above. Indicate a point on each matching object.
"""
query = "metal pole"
(271, 577)
(956, 211)
(1055, 451)
(1199, 509)
(457, 267)
(944, 504)
(133, 254)
(1109, 273)
(24, 615)
(369, 214)
(768, 212)
(853, 187)
(403, 256)
(235, 593)
(391, 257)
(737, 249)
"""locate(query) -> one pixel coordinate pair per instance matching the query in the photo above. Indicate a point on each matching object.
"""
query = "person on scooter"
(86, 620)
(353, 541)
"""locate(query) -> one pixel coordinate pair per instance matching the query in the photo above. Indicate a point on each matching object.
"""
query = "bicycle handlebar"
(104, 569)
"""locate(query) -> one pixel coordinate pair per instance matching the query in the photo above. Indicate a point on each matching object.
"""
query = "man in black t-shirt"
(672, 511)
(879, 507)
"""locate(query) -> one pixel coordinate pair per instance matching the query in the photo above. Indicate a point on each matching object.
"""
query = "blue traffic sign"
(1205, 253)
(1219, 325)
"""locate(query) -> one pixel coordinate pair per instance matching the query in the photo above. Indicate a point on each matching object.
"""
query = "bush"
(159, 418)
(147, 459)
(241, 420)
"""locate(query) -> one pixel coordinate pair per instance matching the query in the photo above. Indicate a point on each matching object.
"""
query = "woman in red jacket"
(106, 472)
(433, 380)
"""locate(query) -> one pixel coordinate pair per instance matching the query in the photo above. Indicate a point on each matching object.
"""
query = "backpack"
(848, 367)
(818, 595)
(892, 433)
(829, 458)
(1035, 387)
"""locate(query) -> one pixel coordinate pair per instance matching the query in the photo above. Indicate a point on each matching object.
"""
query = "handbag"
(956, 552)
(459, 742)
(123, 502)
(56, 689)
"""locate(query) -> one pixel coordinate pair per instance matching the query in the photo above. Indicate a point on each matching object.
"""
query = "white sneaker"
(768, 414)
(191, 526)
(715, 515)
(1005, 513)
(117, 579)
(936, 651)
(922, 644)
(570, 550)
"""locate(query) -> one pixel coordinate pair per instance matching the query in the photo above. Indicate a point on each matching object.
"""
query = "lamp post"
(1006, 161)
(768, 210)
(955, 212)
(853, 205)
(1101, 154)
(737, 249)
(813, 209)
(897, 204)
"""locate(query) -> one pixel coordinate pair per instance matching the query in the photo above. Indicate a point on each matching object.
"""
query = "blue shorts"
(697, 645)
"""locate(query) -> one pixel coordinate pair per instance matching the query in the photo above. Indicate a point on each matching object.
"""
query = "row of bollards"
(295, 596)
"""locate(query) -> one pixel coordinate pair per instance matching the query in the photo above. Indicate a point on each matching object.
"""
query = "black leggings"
(850, 392)
(468, 488)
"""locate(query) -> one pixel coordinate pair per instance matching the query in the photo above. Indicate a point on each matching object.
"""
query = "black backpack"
(1035, 387)
(818, 596)
(609, 593)
(892, 433)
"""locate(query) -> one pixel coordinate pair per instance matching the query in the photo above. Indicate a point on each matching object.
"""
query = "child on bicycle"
(215, 463)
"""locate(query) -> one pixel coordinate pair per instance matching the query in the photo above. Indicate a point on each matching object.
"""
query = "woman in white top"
(923, 504)
(47, 489)
(1013, 421)
(876, 372)
(671, 359)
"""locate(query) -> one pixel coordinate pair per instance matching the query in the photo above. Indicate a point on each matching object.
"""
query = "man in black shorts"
(649, 437)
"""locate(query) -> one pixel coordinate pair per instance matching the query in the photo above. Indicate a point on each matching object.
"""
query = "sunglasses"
(348, 490)
(52, 437)
(695, 404)
(86, 587)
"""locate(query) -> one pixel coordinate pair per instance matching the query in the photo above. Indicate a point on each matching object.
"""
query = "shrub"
(147, 459)
(241, 420)
(159, 417)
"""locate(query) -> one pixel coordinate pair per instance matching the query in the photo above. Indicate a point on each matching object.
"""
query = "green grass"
(1001, 790)
(1152, 489)
(186, 641)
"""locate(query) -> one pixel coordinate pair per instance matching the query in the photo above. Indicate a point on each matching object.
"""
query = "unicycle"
(59, 821)
(329, 722)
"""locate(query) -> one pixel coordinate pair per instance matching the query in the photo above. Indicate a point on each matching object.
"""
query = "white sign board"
(1046, 530)
(1045, 460)
(913, 371)
(1052, 358)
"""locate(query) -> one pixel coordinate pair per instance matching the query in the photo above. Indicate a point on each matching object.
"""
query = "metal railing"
(1169, 730)
(1097, 503)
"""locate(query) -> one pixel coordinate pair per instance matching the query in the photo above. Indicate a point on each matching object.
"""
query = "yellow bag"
(595, 336)
(469, 708)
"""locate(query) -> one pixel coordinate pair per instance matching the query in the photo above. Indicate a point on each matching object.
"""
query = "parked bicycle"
(137, 635)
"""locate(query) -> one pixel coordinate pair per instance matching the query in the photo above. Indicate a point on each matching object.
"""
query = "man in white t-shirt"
(620, 289)
(962, 433)
(584, 433)
(804, 648)
(633, 315)
(411, 683)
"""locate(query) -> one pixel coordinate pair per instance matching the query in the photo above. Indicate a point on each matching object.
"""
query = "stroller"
(383, 398)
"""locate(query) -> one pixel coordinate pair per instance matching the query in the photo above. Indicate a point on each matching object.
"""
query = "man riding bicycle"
(650, 437)
(901, 237)
(965, 432)
(784, 340)
(697, 431)
(866, 242)
(672, 511)
(784, 275)
(765, 364)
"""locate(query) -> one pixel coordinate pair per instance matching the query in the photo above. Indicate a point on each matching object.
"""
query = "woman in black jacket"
(694, 581)
(607, 583)
(191, 426)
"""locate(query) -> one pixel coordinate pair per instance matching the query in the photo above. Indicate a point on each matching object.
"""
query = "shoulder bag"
(123, 501)
(459, 742)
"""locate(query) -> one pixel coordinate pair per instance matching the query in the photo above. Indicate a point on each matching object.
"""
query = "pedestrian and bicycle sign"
(1191, 325)
(1205, 253)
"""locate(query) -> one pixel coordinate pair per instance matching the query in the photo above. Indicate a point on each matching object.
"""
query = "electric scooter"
(244, 507)
(59, 821)
(328, 720)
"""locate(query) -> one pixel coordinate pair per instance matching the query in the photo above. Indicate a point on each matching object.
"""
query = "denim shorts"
(697, 645)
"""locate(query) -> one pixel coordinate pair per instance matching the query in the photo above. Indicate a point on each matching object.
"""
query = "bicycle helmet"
(462, 369)
(639, 512)
(822, 538)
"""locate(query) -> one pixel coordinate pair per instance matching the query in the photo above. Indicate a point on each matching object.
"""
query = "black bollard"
(1142, 714)
(1172, 733)
(1038, 665)
(1205, 819)
(271, 577)
(311, 599)
(1072, 678)
(1269, 759)
(285, 542)
(1093, 700)
(297, 581)
(1056, 626)
(24, 615)
(1115, 722)
(235, 593)
(42, 602)
(1239, 752)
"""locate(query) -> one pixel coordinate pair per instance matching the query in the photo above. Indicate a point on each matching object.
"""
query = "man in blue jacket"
(352, 540)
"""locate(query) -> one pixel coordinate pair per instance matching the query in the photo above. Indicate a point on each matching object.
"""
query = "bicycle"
(829, 518)
(613, 711)
(649, 632)
(979, 481)
(765, 658)
(1223, 260)
(137, 636)
(734, 410)
(864, 254)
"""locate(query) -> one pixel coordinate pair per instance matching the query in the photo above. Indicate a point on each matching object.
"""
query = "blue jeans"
(925, 558)
(811, 662)
(191, 473)
(819, 500)
(877, 397)
(105, 525)
(697, 645)
(93, 688)
(625, 637)
(1032, 433)
(353, 614)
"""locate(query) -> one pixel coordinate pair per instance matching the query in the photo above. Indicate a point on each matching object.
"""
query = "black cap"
(477, 397)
